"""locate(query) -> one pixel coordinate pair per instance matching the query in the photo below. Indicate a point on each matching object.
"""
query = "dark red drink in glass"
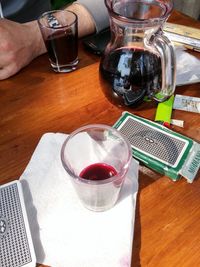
(98, 171)
(62, 48)
(60, 34)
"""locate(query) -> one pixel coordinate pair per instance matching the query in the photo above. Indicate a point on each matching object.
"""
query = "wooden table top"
(37, 100)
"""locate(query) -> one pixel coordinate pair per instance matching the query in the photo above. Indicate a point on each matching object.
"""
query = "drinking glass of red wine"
(139, 61)
(97, 158)
(59, 30)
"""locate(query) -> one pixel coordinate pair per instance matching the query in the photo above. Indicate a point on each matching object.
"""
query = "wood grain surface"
(37, 100)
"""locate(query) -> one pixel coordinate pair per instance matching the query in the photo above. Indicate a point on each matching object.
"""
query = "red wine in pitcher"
(98, 171)
(130, 74)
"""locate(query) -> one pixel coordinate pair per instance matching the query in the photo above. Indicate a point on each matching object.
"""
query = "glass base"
(65, 68)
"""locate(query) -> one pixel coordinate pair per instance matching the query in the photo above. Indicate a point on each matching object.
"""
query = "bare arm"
(86, 23)
(21, 43)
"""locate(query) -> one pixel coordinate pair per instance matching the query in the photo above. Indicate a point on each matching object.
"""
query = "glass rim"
(96, 182)
(58, 27)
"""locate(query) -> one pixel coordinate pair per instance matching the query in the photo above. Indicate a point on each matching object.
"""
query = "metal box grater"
(156, 146)
(16, 247)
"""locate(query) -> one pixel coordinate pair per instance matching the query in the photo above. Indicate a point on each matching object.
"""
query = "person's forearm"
(98, 11)
(86, 26)
(37, 41)
(21, 43)
(86, 23)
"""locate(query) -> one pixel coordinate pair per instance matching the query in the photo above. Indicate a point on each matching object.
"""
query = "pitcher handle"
(168, 61)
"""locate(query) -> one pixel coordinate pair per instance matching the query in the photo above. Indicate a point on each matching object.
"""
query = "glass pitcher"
(139, 61)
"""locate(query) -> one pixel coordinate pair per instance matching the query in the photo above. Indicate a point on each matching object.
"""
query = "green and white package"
(160, 148)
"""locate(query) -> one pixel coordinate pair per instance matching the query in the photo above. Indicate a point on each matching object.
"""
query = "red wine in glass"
(129, 74)
(62, 47)
(97, 172)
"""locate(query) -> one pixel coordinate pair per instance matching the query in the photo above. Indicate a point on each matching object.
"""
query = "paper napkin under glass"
(187, 69)
(64, 232)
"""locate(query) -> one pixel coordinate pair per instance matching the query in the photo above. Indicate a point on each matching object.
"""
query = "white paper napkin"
(65, 234)
(187, 71)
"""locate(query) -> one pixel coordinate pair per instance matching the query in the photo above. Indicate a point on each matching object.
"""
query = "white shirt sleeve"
(98, 11)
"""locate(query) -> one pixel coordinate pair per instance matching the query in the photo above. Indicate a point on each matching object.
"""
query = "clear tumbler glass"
(97, 158)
